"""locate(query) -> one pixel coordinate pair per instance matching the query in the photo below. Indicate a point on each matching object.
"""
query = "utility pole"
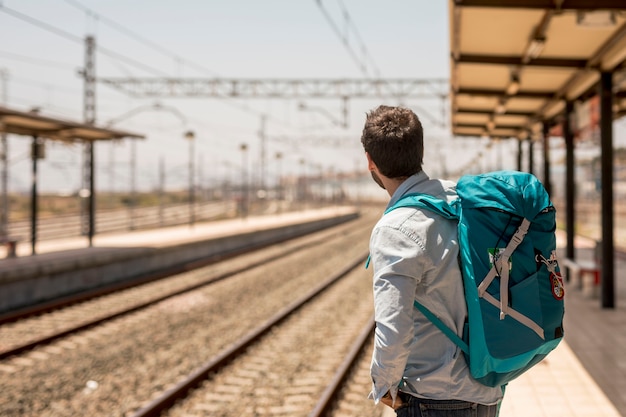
(161, 189)
(4, 162)
(262, 137)
(89, 114)
(244, 180)
(200, 180)
(112, 174)
(190, 136)
(133, 185)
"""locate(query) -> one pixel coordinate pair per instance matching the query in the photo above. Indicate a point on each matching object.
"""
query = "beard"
(377, 180)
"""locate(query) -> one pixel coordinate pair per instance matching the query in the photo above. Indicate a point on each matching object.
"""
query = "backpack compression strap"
(500, 269)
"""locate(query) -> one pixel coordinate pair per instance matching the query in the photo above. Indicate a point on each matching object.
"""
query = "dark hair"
(394, 139)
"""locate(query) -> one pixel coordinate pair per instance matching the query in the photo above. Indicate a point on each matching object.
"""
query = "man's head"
(394, 139)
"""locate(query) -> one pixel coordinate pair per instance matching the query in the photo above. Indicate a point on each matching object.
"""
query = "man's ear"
(370, 164)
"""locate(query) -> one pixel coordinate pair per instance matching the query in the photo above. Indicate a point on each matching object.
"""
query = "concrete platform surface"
(67, 266)
(168, 236)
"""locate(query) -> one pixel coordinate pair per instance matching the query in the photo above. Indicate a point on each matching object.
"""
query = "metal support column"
(190, 136)
(244, 180)
(89, 109)
(570, 187)
(4, 185)
(547, 183)
(519, 154)
(35, 154)
(132, 203)
(606, 142)
(262, 138)
(4, 165)
(531, 155)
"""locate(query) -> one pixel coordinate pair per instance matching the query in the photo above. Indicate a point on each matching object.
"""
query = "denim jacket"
(414, 254)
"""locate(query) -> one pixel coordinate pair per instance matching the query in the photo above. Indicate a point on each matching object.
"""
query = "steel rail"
(184, 268)
(329, 396)
(168, 398)
(87, 295)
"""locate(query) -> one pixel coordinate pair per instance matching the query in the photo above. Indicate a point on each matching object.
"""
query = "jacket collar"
(408, 185)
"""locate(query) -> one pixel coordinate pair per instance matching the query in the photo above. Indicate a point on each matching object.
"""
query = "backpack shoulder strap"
(449, 210)
(426, 202)
(441, 326)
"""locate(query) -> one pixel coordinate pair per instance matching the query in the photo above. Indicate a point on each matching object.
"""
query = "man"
(415, 368)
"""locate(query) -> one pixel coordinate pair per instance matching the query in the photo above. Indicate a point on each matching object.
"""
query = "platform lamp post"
(279, 183)
(244, 174)
(303, 183)
(37, 152)
(4, 163)
(190, 136)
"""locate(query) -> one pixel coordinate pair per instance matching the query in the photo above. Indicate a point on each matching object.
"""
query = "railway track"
(258, 355)
(117, 366)
(73, 314)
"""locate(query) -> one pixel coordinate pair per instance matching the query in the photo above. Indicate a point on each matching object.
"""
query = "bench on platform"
(585, 273)
(10, 243)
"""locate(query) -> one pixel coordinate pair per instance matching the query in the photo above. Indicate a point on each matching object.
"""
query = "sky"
(42, 51)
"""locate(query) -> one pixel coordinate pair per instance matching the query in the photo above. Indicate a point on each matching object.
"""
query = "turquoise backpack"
(513, 286)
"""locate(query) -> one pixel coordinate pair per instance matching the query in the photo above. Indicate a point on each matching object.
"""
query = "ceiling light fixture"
(535, 47)
(513, 86)
(596, 18)
(501, 107)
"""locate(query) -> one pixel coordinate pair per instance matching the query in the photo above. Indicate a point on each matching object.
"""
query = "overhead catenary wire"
(40, 24)
(36, 61)
(356, 33)
(74, 38)
(360, 61)
(122, 58)
(119, 27)
(71, 37)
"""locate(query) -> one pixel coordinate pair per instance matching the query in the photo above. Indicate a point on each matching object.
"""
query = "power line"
(137, 37)
(153, 45)
(46, 86)
(69, 36)
(36, 61)
(40, 24)
(118, 56)
(350, 22)
(360, 61)
(130, 61)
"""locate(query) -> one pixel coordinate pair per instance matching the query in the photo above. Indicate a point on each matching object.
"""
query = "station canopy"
(33, 124)
(514, 63)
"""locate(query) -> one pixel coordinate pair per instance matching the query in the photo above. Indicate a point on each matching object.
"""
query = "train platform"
(66, 266)
(173, 235)
(585, 376)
